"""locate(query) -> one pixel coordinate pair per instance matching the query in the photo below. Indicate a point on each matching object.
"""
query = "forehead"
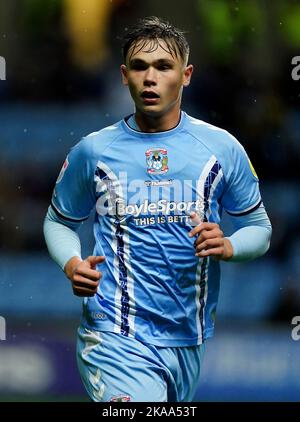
(156, 49)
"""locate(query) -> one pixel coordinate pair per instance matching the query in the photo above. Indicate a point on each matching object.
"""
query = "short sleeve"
(241, 194)
(74, 193)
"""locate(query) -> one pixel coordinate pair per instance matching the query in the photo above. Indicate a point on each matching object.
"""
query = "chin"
(152, 111)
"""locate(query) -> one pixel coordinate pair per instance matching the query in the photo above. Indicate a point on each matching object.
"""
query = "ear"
(187, 75)
(123, 69)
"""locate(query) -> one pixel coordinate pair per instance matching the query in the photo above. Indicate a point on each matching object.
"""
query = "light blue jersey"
(144, 186)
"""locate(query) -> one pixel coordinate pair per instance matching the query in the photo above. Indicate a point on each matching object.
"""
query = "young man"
(159, 180)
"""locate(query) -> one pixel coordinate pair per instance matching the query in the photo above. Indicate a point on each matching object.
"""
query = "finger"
(196, 230)
(85, 282)
(209, 234)
(82, 292)
(85, 287)
(94, 260)
(209, 243)
(211, 252)
(195, 218)
(202, 226)
(89, 273)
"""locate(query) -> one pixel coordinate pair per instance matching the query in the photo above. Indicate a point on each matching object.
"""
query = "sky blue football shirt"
(144, 186)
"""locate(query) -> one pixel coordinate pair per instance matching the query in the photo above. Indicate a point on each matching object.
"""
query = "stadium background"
(62, 81)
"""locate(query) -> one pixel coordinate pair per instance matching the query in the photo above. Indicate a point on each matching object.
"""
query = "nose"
(150, 77)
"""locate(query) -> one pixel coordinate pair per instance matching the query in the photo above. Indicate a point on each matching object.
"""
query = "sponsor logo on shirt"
(162, 206)
(140, 198)
(158, 182)
(98, 315)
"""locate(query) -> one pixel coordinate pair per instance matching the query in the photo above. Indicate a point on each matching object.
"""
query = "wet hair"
(149, 31)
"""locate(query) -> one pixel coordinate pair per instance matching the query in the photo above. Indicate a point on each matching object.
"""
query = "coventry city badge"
(157, 161)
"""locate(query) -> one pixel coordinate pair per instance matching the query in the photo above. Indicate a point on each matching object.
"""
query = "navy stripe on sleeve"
(245, 212)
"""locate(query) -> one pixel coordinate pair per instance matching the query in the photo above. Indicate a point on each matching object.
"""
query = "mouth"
(150, 97)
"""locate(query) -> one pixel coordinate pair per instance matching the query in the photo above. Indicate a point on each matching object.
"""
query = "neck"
(157, 123)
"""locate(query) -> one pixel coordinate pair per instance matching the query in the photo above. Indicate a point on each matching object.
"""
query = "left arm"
(250, 240)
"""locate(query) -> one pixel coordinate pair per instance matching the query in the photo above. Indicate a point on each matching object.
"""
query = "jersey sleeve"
(241, 195)
(74, 192)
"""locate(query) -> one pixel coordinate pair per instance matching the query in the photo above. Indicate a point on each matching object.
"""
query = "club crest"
(157, 160)
(120, 398)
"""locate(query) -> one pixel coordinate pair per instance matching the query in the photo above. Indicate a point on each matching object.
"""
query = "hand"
(210, 240)
(83, 274)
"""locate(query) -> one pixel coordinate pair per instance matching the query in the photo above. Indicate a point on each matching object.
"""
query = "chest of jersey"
(156, 178)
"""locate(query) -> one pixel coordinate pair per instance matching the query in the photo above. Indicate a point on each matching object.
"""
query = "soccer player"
(159, 180)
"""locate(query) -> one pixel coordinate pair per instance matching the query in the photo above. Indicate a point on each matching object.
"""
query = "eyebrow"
(156, 62)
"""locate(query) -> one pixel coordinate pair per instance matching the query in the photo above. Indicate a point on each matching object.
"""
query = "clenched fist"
(83, 274)
(210, 240)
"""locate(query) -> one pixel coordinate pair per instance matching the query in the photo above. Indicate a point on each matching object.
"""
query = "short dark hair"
(150, 30)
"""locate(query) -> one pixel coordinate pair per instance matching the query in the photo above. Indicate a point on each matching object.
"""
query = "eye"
(138, 67)
(164, 67)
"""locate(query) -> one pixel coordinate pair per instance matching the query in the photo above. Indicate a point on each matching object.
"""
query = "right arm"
(72, 201)
(64, 247)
